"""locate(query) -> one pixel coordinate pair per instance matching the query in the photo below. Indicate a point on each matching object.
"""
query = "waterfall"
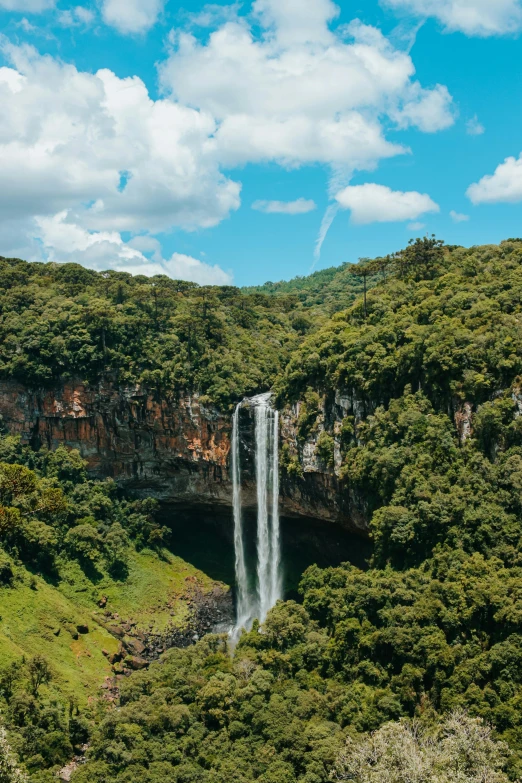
(242, 589)
(252, 604)
(264, 555)
(276, 586)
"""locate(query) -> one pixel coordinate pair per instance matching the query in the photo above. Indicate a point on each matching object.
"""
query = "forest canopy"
(432, 355)
(63, 321)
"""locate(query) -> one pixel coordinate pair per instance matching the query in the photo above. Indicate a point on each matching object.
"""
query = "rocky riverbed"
(207, 612)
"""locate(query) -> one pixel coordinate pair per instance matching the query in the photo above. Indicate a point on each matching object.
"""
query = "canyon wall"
(174, 450)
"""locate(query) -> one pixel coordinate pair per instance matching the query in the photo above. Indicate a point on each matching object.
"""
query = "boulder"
(135, 663)
(135, 646)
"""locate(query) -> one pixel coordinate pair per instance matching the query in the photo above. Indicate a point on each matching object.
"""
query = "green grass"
(41, 620)
(152, 595)
(31, 618)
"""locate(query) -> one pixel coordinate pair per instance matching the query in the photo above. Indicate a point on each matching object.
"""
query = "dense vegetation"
(53, 518)
(51, 511)
(326, 291)
(431, 359)
(66, 542)
(62, 321)
(447, 324)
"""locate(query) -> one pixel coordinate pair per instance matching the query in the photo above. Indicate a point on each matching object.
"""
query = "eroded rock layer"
(175, 450)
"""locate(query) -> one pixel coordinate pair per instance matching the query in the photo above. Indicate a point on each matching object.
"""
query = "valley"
(391, 509)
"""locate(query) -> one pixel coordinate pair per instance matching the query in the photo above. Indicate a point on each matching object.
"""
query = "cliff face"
(177, 451)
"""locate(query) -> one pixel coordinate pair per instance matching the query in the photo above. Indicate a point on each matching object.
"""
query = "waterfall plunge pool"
(204, 537)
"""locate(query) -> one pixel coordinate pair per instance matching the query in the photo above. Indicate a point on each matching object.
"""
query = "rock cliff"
(175, 450)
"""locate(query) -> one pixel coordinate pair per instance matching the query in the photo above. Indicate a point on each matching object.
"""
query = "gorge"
(147, 475)
(181, 452)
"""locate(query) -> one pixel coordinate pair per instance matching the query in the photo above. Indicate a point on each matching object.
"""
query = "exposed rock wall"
(176, 450)
(463, 418)
(320, 489)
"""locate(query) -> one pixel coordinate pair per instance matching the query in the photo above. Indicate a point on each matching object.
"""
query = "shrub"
(6, 569)
(83, 542)
(326, 449)
(39, 673)
(308, 414)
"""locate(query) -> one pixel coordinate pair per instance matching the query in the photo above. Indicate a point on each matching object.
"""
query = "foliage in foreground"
(9, 772)
(53, 519)
(289, 707)
(459, 750)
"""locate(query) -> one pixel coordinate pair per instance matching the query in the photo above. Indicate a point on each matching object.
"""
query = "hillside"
(63, 321)
(325, 291)
(88, 592)
(411, 402)
(446, 322)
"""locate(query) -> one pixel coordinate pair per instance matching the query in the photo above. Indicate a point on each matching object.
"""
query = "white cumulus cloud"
(131, 16)
(66, 241)
(472, 17)
(428, 110)
(298, 207)
(371, 203)
(99, 146)
(505, 184)
(300, 92)
(458, 217)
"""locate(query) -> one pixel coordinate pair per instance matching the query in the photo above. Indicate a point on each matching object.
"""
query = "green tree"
(326, 449)
(9, 676)
(40, 673)
(421, 259)
(84, 542)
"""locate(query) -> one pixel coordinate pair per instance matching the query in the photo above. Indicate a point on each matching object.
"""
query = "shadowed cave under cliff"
(203, 536)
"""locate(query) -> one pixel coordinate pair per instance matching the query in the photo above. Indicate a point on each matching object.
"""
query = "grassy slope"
(151, 596)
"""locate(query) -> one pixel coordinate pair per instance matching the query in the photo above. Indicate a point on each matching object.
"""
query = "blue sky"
(219, 142)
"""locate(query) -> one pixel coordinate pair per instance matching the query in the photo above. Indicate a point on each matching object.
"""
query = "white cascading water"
(263, 523)
(276, 584)
(252, 604)
(243, 609)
